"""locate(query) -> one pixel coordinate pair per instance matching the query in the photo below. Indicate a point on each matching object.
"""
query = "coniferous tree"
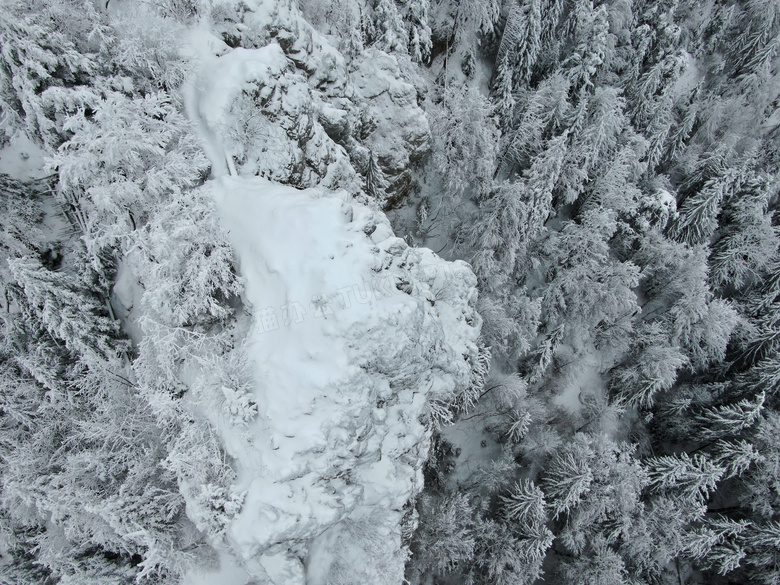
(466, 138)
(121, 163)
(68, 313)
(695, 477)
(504, 90)
(390, 33)
(375, 182)
(521, 39)
(42, 52)
(447, 538)
(420, 41)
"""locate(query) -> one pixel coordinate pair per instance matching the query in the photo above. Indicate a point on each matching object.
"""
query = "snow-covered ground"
(22, 159)
(351, 332)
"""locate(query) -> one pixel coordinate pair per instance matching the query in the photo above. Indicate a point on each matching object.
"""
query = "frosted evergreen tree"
(391, 34)
(592, 48)
(69, 313)
(468, 18)
(694, 477)
(499, 236)
(504, 94)
(730, 420)
(543, 114)
(584, 286)
(420, 41)
(715, 544)
(756, 43)
(748, 241)
(466, 139)
(21, 216)
(39, 54)
(187, 267)
(375, 181)
(121, 163)
(525, 504)
(735, 456)
(541, 179)
(651, 366)
(592, 143)
(567, 480)
(521, 39)
(447, 535)
(699, 213)
(601, 565)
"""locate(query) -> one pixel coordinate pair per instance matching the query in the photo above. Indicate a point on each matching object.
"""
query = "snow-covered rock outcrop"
(285, 104)
(352, 334)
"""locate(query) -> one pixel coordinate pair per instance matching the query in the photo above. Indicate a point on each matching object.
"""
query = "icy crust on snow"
(288, 106)
(351, 333)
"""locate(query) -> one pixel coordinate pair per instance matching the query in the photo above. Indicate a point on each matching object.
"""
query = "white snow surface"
(22, 159)
(351, 332)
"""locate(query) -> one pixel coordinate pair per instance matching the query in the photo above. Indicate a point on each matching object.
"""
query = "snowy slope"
(351, 331)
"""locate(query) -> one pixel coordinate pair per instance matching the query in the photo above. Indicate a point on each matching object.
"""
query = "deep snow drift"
(352, 333)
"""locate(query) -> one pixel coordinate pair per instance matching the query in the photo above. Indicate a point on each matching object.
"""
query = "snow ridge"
(351, 332)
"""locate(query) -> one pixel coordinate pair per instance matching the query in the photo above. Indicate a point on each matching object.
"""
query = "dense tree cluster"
(625, 237)
(95, 446)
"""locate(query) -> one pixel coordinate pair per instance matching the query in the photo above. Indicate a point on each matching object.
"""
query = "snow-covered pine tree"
(748, 240)
(446, 538)
(22, 213)
(420, 41)
(693, 478)
(185, 263)
(592, 46)
(375, 181)
(499, 236)
(756, 43)
(521, 39)
(466, 138)
(735, 456)
(592, 143)
(698, 218)
(600, 565)
(585, 287)
(541, 179)
(461, 21)
(43, 48)
(713, 543)
(122, 162)
(66, 310)
(391, 34)
(763, 541)
(544, 113)
(611, 508)
(504, 94)
(730, 420)
(525, 504)
(568, 478)
(651, 366)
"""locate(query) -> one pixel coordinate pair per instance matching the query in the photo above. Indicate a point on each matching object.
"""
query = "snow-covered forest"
(384, 292)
